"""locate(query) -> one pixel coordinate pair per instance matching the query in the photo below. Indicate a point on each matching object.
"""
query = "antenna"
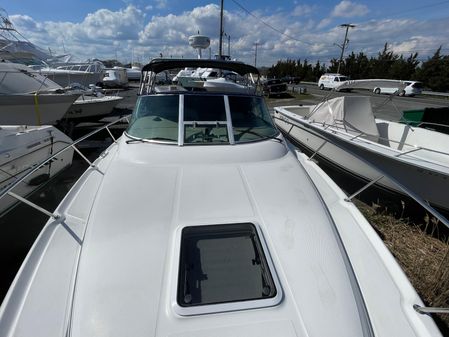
(199, 42)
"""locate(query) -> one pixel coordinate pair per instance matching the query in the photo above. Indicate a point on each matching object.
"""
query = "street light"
(345, 41)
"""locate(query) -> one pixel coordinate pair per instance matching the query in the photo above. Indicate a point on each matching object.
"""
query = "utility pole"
(345, 41)
(220, 44)
(255, 55)
(229, 44)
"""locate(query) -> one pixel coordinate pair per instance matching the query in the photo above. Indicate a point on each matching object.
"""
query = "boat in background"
(224, 84)
(23, 148)
(133, 73)
(203, 222)
(28, 98)
(115, 78)
(18, 78)
(67, 74)
(16, 48)
(35, 109)
(344, 131)
(92, 107)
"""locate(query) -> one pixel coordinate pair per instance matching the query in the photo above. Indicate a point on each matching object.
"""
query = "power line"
(268, 25)
(418, 8)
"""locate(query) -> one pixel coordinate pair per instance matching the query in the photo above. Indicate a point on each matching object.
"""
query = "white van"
(412, 88)
(331, 81)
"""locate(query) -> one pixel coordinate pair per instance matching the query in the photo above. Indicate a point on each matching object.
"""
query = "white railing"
(19, 180)
(311, 128)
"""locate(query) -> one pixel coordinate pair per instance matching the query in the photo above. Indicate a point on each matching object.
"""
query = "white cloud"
(104, 32)
(349, 9)
(161, 4)
(303, 10)
(324, 23)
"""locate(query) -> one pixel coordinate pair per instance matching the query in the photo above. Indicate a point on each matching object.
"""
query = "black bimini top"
(159, 65)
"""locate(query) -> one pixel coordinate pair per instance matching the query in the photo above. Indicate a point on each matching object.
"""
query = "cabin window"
(222, 264)
(155, 118)
(205, 119)
(250, 119)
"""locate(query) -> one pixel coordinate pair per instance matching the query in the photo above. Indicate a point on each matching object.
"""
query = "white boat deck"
(112, 259)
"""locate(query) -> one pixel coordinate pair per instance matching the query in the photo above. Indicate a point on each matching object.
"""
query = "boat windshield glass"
(205, 119)
(155, 118)
(250, 119)
(222, 263)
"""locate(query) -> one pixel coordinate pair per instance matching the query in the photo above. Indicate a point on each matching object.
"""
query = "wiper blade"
(146, 140)
(135, 140)
(263, 136)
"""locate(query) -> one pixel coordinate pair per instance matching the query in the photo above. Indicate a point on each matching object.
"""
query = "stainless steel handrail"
(430, 310)
(7, 191)
(403, 188)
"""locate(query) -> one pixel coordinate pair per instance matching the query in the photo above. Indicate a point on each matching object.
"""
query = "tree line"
(434, 72)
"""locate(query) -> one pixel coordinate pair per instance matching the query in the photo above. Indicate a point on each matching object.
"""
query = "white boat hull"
(28, 109)
(25, 149)
(66, 78)
(427, 183)
(90, 107)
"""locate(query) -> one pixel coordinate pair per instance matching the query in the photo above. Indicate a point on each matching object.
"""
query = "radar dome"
(199, 41)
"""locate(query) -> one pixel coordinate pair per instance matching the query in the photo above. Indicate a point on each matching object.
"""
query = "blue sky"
(100, 28)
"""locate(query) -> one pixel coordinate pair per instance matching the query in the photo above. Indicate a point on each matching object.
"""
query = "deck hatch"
(222, 264)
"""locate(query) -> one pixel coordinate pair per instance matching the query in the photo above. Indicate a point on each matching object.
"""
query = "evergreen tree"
(434, 72)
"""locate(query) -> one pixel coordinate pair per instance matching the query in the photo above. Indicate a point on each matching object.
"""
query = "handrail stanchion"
(317, 150)
(32, 204)
(112, 136)
(372, 182)
(87, 160)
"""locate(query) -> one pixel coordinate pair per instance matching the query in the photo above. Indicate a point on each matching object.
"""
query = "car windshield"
(204, 119)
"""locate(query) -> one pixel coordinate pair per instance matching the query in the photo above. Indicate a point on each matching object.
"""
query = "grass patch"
(423, 257)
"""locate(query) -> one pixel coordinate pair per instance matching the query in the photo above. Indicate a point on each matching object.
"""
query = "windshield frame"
(183, 123)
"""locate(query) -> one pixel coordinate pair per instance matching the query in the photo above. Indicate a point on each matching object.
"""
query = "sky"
(285, 29)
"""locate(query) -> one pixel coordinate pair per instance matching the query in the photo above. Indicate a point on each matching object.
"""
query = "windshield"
(155, 117)
(205, 119)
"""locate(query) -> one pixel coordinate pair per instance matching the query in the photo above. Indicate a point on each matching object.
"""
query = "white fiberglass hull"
(21, 149)
(369, 160)
(223, 85)
(66, 77)
(28, 109)
(18, 78)
(90, 107)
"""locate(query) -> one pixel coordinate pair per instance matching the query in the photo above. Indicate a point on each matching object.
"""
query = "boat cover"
(371, 84)
(352, 113)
